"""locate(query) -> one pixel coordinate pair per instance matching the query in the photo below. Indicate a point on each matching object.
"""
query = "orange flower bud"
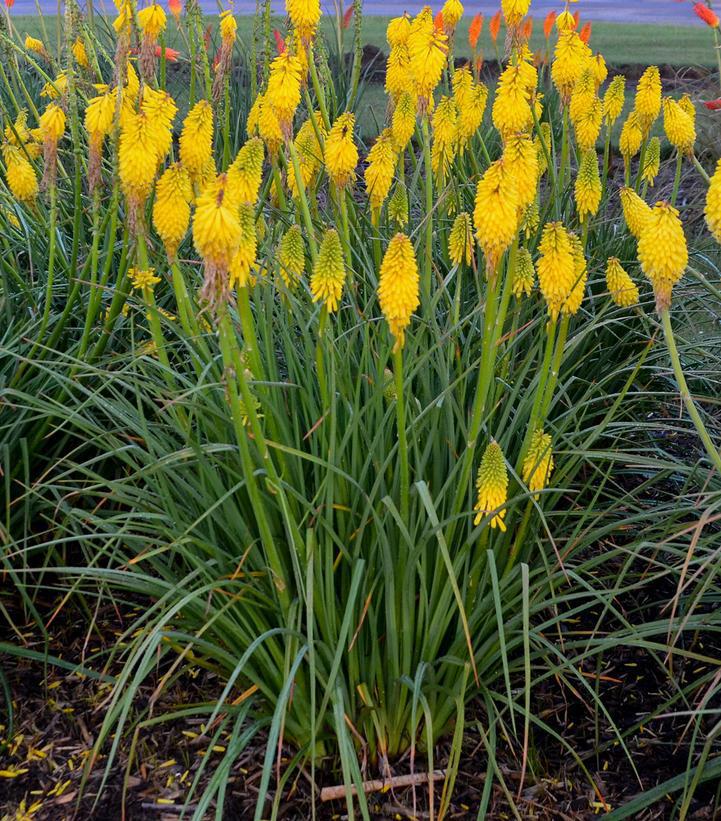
(585, 33)
(527, 28)
(548, 24)
(703, 12)
(495, 25)
(474, 30)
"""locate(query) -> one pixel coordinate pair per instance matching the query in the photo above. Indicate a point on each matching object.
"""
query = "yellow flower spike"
(398, 31)
(635, 211)
(520, 160)
(471, 99)
(460, 240)
(310, 153)
(228, 27)
(652, 161)
(648, 98)
(52, 123)
(20, 174)
(245, 173)
(291, 256)
(621, 287)
(451, 13)
(196, 139)
(713, 204)
(283, 92)
(341, 154)
(244, 258)
(398, 206)
(305, 16)
(160, 110)
(100, 116)
(398, 77)
(580, 277)
(524, 277)
(171, 208)
(444, 123)
(588, 186)
(565, 21)
(428, 49)
(556, 267)
(491, 486)
(679, 126)
(631, 136)
(36, 46)
(514, 11)
(571, 57)
(614, 99)
(380, 169)
(80, 54)
(142, 279)
(599, 69)
(586, 115)
(530, 219)
(496, 213)
(511, 111)
(326, 282)
(403, 123)
(398, 291)
(662, 251)
(538, 464)
(152, 21)
(269, 126)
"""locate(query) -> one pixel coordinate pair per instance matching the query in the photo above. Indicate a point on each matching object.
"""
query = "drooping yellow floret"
(451, 13)
(137, 158)
(662, 251)
(514, 10)
(713, 204)
(460, 240)
(341, 154)
(55, 88)
(496, 213)
(52, 123)
(620, 286)
(471, 98)
(512, 109)
(398, 31)
(491, 486)
(380, 168)
(100, 116)
(538, 463)
(398, 74)
(635, 211)
(196, 139)
(80, 54)
(228, 27)
(171, 208)
(679, 126)
(326, 282)
(20, 174)
(398, 286)
(152, 20)
(588, 186)
(570, 59)
(556, 267)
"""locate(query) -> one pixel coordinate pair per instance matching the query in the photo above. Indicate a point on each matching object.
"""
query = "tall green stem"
(402, 434)
(428, 255)
(677, 177)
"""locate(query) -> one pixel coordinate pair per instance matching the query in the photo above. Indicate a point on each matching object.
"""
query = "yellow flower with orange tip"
(588, 186)
(491, 487)
(228, 27)
(398, 286)
(460, 240)
(196, 138)
(524, 275)
(635, 211)
(679, 126)
(496, 213)
(80, 54)
(575, 298)
(662, 251)
(326, 282)
(171, 208)
(241, 263)
(713, 204)
(556, 267)
(520, 160)
(340, 153)
(620, 286)
(283, 91)
(538, 463)
(52, 123)
(152, 21)
(648, 98)
(403, 122)
(305, 16)
(614, 99)
(631, 136)
(428, 49)
(245, 173)
(291, 256)
(652, 161)
(20, 174)
(571, 57)
(514, 10)
(451, 13)
(380, 169)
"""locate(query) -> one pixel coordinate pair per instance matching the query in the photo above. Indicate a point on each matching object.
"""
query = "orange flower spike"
(279, 41)
(585, 33)
(176, 7)
(576, 18)
(438, 21)
(527, 29)
(548, 24)
(495, 26)
(474, 31)
(347, 17)
(703, 12)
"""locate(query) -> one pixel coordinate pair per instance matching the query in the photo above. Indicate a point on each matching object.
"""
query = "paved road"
(621, 11)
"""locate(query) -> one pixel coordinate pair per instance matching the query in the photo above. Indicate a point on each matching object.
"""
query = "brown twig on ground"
(381, 784)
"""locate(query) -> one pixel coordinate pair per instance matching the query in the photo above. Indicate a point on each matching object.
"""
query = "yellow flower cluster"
(662, 251)
(341, 154)
(538, 463)
(492, 487)
(621, 287)
(398, 286)
(326, 283)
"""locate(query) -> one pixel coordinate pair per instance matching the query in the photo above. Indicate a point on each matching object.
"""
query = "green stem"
(402, 434)
(701, 170)
(304, 210)
(428, 255)
(564, 152)
(686, 397)
(677, 178)
(606, 159)
(318, 89)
